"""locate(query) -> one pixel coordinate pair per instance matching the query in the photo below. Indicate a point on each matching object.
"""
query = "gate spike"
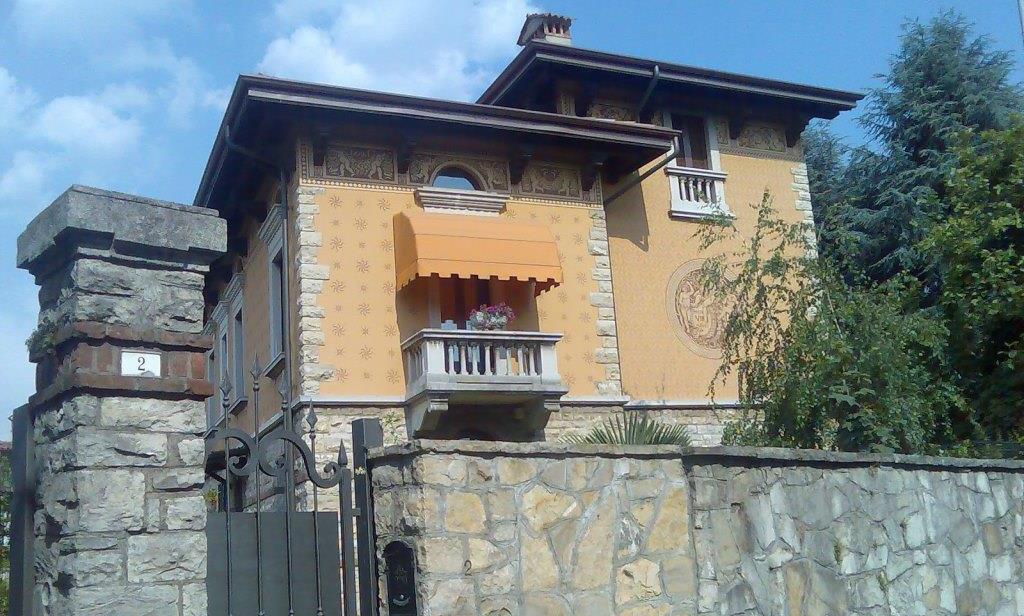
(225, 401)
(342, 454)
(311, 418)
(255, 371)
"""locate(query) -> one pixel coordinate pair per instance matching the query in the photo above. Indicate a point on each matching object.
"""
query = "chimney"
(546, 27)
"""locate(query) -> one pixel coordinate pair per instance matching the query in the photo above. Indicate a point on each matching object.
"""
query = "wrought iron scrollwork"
(273, 465)
(251, 454)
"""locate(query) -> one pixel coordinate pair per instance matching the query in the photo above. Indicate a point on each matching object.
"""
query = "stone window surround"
(460, 201)
(221, 318)
(271, 233)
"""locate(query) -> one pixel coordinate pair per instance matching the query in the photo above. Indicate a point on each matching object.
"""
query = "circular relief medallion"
(696, 317)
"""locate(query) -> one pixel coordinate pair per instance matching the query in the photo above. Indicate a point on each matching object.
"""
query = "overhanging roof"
(538, 59)
(264, 111)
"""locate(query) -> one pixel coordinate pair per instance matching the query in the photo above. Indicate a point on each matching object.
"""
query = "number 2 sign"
(140, 363)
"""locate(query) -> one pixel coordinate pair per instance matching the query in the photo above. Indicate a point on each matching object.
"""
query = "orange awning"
(448, 245)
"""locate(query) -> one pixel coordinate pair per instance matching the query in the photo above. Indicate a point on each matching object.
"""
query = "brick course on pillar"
(119, 527)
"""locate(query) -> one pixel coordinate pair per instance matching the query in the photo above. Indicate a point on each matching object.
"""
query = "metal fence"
(268, 557)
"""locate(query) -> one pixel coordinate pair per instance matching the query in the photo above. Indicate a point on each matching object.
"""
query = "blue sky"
(127, 94)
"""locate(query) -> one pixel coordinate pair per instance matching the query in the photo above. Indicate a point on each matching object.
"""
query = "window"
(455, 177)
(696, 180)
(223, 367)
(213, 406)
(276, 301)
(693, 142)
(272, 234)
(237, 356)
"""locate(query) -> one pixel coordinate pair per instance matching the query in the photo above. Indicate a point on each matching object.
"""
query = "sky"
(127, 94)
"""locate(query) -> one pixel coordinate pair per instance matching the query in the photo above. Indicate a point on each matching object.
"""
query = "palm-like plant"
(632, 428)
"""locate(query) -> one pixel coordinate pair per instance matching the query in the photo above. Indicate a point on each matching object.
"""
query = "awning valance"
(446, 245)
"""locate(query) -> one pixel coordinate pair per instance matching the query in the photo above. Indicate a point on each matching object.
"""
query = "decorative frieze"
(556, 182)
(360, 163)
(376, 167)
(491, 174)
(756, 139)
(611, 110)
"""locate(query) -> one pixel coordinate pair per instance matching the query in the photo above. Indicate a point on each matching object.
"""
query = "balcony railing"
(460, 354)
(696, 192)
(481, 368)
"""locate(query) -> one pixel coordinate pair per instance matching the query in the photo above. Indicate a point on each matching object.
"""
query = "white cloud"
(124, 96)
(64, 22)
(187, 87)
(85, 124)
(291, 57)
(447, 48)
(14, 99)
(25, 176)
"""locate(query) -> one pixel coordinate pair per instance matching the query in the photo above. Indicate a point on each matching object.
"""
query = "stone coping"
(738, 456)
(82, 214)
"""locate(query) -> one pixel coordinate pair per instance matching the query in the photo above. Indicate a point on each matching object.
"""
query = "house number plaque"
(140, 363)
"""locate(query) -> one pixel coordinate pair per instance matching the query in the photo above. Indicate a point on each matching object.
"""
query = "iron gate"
(268, 558)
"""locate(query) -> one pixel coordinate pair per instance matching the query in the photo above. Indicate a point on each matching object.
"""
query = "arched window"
(455, 177)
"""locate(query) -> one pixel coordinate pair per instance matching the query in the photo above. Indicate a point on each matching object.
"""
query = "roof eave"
(259, 88)
(669, 72)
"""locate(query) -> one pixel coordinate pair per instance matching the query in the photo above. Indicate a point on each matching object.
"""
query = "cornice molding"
(455, 201)
(272, 224)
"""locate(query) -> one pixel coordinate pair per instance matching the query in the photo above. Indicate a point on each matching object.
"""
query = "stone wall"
(504, 529)
(120, 517)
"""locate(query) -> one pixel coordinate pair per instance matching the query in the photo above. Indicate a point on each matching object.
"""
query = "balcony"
(696, 193)
(512, 373)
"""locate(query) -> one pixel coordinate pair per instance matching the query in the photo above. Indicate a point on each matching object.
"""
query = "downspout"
(646, 98)
(287, 418)
(672, 154)
(655, 76)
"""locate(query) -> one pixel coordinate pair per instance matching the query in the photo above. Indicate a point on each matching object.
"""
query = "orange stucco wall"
(647, 247)
(367, 319)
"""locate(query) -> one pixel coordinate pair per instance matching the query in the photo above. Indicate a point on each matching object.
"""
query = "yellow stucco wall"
(647, 247)
(366, 319)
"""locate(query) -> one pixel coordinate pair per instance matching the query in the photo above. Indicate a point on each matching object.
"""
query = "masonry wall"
(119, 515)
(546, 529)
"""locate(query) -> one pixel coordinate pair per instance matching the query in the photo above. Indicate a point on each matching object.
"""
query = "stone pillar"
(120, 522)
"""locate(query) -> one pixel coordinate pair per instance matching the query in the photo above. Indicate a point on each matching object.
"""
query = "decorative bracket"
(795, 128)
(583, 100)
(319, 148)
(517, 166)
(403, 154)
(737, 120)
(592, 168)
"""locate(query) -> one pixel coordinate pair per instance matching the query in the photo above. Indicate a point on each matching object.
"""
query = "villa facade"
(570, 191)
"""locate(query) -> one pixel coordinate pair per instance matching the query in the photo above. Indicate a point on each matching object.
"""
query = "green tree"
(942, 82)
(980, 248)
(826, 156)
(822, 364)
